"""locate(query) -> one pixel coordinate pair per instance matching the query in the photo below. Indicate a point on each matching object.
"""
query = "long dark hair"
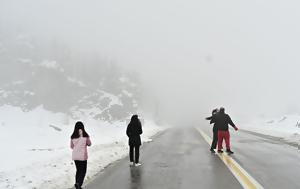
(79, 125)
(134, 119)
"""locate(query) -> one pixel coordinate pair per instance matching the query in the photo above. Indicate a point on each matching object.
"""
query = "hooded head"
(215, 111)
(222, 110)
(134, 118)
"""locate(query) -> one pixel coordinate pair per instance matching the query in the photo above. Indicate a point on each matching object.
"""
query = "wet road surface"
(274, 163)
(180, 159)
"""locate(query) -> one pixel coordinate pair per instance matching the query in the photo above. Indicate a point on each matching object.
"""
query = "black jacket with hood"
(133, 131)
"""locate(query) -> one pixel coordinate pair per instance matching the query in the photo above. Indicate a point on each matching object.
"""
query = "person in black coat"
(215, 131)
(133, 131)
(221, 121)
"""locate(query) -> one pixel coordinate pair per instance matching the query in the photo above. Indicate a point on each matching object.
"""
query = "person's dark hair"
(214, 111)
(134, 119)
(75, 134)
(222, 110)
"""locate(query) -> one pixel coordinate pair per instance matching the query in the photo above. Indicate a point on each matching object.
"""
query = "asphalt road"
(274, 163)
(180, 159)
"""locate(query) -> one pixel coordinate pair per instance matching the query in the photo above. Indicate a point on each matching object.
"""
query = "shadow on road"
(136, 177)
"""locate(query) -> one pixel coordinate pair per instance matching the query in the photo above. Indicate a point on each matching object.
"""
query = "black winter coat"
(221, 121)
(133, 131)
(215, 129)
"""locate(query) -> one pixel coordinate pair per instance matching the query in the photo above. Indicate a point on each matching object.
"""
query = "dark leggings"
(215, 139)
(134, 149)
(80, 171)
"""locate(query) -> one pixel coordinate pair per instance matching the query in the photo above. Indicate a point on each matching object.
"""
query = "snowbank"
(286, 127)
(35, 149)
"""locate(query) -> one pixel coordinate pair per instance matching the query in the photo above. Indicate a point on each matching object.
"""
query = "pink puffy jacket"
(79, 146)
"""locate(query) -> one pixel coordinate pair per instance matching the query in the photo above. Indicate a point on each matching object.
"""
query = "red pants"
(223, 135)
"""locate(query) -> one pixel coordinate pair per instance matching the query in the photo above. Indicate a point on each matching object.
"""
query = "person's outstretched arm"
(230, 122)
(208, 118)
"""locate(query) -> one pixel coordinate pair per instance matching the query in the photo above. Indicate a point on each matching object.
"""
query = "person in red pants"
(221, 121)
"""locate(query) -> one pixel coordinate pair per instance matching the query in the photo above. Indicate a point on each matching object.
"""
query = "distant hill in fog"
(51, 75)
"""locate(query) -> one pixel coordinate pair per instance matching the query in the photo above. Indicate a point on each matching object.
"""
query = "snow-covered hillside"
(45, 88)
(35, 150)
(34, 73)
(286, 127)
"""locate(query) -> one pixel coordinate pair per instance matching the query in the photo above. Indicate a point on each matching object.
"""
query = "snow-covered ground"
(35, 150)
(286, 127)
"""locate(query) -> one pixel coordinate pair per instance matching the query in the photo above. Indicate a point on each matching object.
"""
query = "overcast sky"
(193, 55)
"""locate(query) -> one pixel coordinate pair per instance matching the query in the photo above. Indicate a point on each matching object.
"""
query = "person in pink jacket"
(79, 142)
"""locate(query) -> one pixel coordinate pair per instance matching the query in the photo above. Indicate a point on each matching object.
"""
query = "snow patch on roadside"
(286, 127)
(37, 144)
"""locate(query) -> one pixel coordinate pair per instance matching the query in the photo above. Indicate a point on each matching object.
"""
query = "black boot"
(212, 150)
(229, 151)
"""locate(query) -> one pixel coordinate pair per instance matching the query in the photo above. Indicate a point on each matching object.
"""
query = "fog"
(192, 56)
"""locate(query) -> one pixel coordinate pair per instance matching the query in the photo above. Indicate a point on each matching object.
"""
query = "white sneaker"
(138, 164)
(131, 164)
